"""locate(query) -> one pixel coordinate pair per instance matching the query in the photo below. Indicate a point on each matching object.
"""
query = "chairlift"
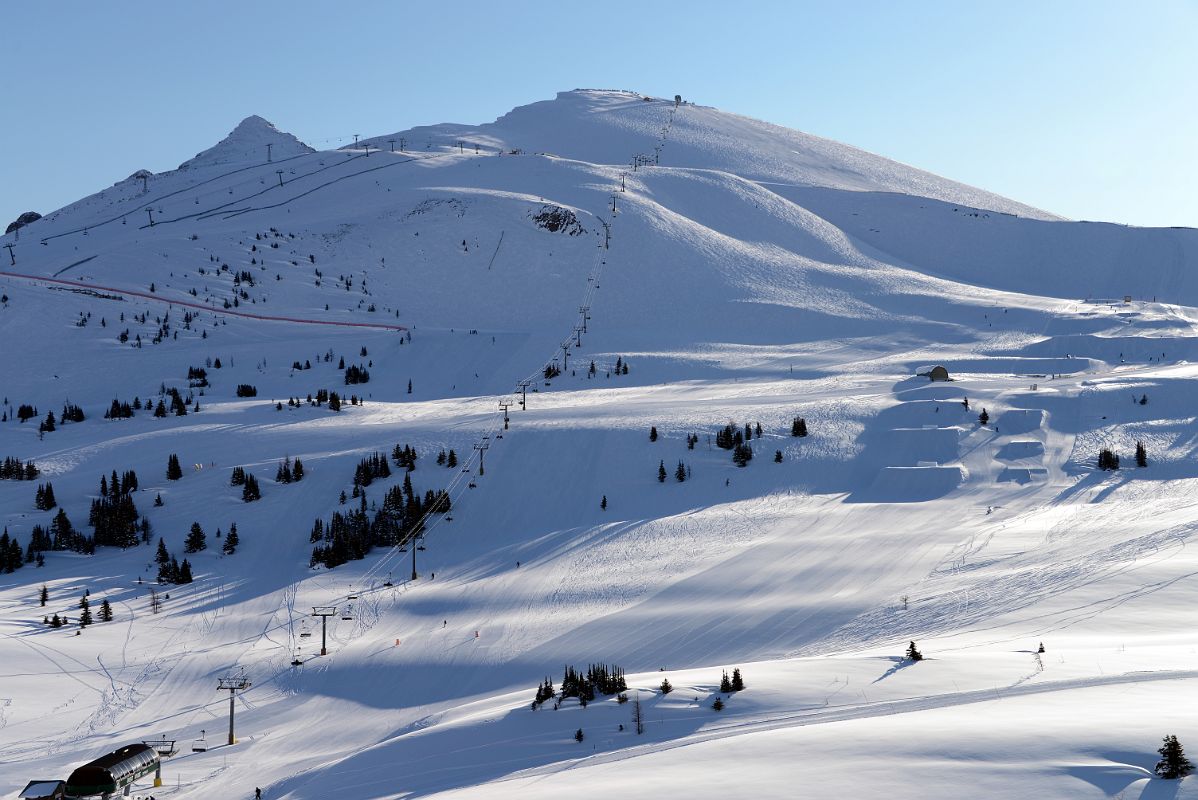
(388, 581)
(420, 548)
(352, 596)
(347, 613)
(297, 661)
(449, 519)
(200, 745)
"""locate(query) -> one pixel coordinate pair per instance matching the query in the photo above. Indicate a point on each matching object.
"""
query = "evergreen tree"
(105, 611)
(297, 471)
(44, 499)
(441, 458)
(798, 427)
(913, 653)
(1173, 763)
(1141, 455)
(666, 686)
(55, 621)
(738, 683)
(173, 471)
(334, 402)
(602, 505)
(725, 683)
(231, 541)
(196, 539)
(653, 433)
(85, 612)
(158, 500)
(185, 572)
(661, 472)
(44, 596)
(452, 460)
(718, 705)
(162, 557)
(578, 737)
(984, 417)
(777, 456)
(250, 492)
(160, 409)
(680, 473)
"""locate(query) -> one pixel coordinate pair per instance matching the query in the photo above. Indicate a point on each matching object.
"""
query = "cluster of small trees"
(114, 515)
(246, 390)
(406, 456)
(44, 499)
(1107, 459)
(598, 679)
(552, 371)
(13, 469)
(26, 412)
(372, 467)
(798, 427)
(71, 413)
(197, 377)
(60, 536)
(119, 410)
(289, 472)
(449, 460)
(169, 568)
(250, 491)
(681, 473)
(356, 374)
(400, 518)
(731, 438)
(178, 405)
(621, 366)
(732, 684)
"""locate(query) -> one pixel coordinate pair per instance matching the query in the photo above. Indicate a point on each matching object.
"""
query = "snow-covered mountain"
(247, 144)
(748, 276)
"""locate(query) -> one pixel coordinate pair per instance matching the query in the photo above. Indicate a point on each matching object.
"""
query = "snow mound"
(247, 143)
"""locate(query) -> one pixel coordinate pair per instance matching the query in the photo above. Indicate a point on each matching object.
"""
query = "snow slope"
(752, 276)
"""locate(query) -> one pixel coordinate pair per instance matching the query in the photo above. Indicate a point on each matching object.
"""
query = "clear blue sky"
(1088, 109)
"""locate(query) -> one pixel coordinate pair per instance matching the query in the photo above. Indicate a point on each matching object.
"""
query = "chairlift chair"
(200, 745)
(388, 581)
(348, 613)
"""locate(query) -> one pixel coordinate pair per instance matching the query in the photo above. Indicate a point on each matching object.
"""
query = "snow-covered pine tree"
(1173, 763)
(196, 540)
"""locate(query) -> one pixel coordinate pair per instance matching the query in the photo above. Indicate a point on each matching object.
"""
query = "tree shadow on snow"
(899, 664)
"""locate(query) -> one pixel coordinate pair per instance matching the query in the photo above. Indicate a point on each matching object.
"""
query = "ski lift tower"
(233, 685)
(324, 612)
(165, 748)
